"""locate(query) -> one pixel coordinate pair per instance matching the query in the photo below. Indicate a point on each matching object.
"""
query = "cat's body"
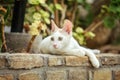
(61, 42)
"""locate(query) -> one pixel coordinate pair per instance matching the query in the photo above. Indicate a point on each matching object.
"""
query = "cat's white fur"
(61, 42)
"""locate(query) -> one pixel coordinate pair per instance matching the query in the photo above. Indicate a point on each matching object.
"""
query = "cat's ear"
(53, 26)
(67, 26)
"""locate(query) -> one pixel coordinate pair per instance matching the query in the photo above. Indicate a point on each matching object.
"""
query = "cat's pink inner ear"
(53, 26)
(67, 27)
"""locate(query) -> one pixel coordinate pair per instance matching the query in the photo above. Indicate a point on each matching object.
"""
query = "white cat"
(61, 42)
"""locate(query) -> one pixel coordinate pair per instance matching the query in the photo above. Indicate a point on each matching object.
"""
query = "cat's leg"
(83, 52)
(96, 51)
(93, 59)
(75, 52)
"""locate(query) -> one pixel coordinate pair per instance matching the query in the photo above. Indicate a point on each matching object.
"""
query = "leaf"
(34, 28)
(80, 1)
(48, 7)
(79, 30)
(58, 6)
(33, 2)
(31, 9)
(29, 18)
(112, 9)
(44, 13)
(109, 22)
(36, 16)
(89, 35)
(47, 20)
(42, 1)
(118, 9)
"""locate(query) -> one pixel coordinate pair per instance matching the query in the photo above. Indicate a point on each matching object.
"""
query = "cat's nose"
(55, 45)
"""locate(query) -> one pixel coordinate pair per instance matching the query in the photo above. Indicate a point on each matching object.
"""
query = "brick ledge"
(28, 61)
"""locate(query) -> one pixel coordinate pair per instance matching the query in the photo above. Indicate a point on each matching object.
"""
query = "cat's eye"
(52, 39)
(60, 38)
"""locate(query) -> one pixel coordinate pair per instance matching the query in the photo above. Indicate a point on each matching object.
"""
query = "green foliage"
(34, 12)
(58, 6)
(36, 2)
(80, 35)
(111, 13)
(80, 1)
(109, 21)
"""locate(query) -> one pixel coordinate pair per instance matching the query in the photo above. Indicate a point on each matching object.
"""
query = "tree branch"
(93, 26)
(56, 13)
(74, 11)
(63, 12)
(4, 46)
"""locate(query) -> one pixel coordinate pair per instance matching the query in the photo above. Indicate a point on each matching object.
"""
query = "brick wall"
(50, 67)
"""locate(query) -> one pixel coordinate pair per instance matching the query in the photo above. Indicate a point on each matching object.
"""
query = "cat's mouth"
(55, 47)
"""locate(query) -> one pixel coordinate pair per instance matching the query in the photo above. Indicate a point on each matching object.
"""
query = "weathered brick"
(102, 74)
(55, 61)
(77, 75)
(29, 76)
(26, 61)
(110, 59)
(6, 77)
(56, 75)
(117, 75)
(3, 61)
(76, 61)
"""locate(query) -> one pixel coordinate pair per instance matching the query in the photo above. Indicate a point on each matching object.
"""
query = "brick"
(111, 59)
(56, 75)
(26, 61)
(55, 61)
(29, 76)
(117, 75)
(6, 77)
(77, 75)
(2, 62)
(102, 74)
(76, 61)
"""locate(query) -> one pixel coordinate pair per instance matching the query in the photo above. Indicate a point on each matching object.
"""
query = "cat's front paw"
(96, 64)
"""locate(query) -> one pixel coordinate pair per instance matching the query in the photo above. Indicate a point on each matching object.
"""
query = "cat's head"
(60, 38)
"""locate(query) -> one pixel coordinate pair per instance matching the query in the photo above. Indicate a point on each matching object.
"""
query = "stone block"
(29, 76)
(6, 77)
(117, 75)
(102, 74)
(55, 61)
(111, 59)
(26, 61)
(77, 75)
(77, 61)
(2, 62)
(56, 75)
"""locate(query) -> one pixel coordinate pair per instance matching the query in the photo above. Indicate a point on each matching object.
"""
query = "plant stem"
(93, 26)
(74, 11)
(56, 13)
(30, 43)
(4, 46)
(63, 12)
(33, 38)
